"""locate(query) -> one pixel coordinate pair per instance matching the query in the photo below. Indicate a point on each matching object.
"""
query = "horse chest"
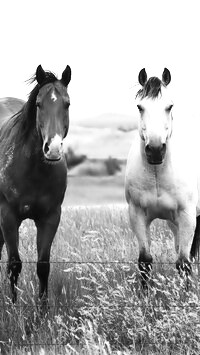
(156, 195)
(34, 207)
(38, 192)
(162, 205)
(39, 202)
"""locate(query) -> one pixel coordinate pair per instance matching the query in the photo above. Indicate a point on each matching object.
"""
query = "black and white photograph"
(100, 177)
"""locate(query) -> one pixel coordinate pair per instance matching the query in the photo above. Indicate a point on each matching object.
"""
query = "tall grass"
(96, 304)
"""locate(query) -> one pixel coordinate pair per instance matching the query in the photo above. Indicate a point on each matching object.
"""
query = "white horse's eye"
(169, 108)
(140, 108)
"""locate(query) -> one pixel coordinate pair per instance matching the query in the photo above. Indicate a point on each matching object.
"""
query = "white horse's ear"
(166, 76)
(142, 77)
(66, 75)
(40, 75)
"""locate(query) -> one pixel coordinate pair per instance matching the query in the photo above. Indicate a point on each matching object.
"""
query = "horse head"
(155, 108)
(52, 114)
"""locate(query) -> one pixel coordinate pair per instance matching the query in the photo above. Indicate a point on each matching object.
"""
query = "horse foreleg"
(186, 226)
(141, 228)
(9, 228)
(46, 230)
(174, 230)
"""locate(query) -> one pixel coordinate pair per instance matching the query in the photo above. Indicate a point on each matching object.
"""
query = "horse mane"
(151, 89)
(17, 128)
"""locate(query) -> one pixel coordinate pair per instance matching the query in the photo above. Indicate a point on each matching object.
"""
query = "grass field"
(96, 304)
(94, 190)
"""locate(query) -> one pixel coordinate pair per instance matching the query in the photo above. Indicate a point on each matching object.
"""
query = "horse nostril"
(148, 149)
(46, 148)
(163, 148)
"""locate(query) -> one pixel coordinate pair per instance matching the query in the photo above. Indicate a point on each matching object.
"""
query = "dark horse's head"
(52, 113)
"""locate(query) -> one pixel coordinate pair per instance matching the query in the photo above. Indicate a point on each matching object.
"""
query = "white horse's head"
(155, 107)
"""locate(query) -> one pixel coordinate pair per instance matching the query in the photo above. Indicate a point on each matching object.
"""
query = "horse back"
(8, 107)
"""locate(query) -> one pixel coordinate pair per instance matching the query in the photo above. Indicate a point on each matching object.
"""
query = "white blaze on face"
(54, 150)
(53, 96)
(56, 143)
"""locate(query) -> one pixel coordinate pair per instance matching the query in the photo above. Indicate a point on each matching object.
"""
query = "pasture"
(95, 190)
(96, 305)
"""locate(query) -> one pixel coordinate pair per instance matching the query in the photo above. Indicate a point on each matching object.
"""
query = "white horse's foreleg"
(186, 227)
(141, 228)
(174, 230)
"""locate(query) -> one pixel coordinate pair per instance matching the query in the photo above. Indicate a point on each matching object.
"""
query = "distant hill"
(111, 120)
(99, 143)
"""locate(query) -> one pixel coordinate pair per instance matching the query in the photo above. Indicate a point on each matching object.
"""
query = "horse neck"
(32, 146)
(27, 140)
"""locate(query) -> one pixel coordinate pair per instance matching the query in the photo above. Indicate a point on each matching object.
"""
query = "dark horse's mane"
(151, 89)
(17, 128)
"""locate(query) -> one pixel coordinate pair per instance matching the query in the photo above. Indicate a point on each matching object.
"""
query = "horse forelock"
(151, 89)
(50, 78)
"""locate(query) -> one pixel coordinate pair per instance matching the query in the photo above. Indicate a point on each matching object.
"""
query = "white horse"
(161, 177)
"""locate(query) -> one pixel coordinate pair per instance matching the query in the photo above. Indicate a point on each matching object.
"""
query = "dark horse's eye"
(66, 104)
(38, 104)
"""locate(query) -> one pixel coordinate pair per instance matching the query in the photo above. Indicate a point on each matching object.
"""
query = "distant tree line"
(74, 159)
(112, 165)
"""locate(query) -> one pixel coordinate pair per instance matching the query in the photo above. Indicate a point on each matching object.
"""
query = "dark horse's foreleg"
(46, 230)
(9, 227)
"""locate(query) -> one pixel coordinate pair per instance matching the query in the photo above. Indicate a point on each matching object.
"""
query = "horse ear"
(142, 77)
(66, 75)
(40, 75)
(166, 76)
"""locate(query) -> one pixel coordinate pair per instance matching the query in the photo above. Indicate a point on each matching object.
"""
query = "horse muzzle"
(155, 154)
(53, 149)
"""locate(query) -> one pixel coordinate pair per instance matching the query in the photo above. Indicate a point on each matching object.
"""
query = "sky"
(106, 43)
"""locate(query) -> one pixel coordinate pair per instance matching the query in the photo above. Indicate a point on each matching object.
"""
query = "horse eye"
(66, 104)
(140, 108)
(169, 108)
(38, 104)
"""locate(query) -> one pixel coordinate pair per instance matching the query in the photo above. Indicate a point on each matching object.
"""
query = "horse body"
(33, 172)
(161, 179)
(41, 181)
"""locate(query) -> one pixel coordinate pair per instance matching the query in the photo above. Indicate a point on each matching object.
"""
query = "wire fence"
(118, 262)
(30, 346)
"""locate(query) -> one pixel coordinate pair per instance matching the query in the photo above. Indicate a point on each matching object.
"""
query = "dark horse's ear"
(40, 75)
(66, 75)
(166, 77)
(142, 77)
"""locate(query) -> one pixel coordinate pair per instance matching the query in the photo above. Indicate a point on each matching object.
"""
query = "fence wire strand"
(119, 262)
(10, 305)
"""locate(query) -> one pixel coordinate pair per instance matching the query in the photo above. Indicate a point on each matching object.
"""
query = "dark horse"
(33, 171)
